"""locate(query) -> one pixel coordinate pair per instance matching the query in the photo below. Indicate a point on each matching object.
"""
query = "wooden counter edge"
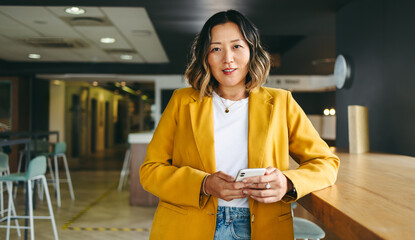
(335, 220)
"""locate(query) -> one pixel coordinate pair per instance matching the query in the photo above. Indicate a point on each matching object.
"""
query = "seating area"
(36, 171)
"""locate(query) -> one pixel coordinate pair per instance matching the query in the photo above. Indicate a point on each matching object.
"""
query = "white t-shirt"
(231, 140)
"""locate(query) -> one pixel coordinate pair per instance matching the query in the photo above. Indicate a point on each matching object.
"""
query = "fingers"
(257, 186)
(225, 176)
(260, 185)
(222, 185)
(270, 170)
(265, 196)
(261, 179)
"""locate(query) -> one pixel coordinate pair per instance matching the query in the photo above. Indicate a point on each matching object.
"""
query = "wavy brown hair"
(198, 71)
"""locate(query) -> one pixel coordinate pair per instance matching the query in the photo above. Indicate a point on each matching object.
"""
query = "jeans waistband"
(229, 213)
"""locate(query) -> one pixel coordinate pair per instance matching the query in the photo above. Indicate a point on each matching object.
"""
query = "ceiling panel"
(137, 28)
(13, 29)
(94, 34)
(40, 20)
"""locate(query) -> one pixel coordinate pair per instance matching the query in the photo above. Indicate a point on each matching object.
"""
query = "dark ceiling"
(301, 32)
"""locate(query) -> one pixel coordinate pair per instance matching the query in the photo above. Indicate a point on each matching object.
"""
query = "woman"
(225, 122)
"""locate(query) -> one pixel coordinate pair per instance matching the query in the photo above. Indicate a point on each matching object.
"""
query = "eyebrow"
(236, 40)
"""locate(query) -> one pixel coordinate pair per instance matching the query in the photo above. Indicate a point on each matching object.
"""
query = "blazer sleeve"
(176, 185)
(318, 165)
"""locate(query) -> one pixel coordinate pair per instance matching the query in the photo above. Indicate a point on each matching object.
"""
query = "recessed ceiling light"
(107, 40)
(126, 57)
(34, 56)
(141, 33)
(75, 10)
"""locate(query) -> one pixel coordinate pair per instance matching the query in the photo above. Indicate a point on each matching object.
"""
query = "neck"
(232, 94)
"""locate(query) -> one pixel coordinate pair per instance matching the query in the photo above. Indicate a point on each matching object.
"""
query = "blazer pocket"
(173, 207)
(285, 216)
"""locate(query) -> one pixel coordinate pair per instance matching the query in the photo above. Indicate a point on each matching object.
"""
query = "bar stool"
(36, 171)
(42, 146)
(4, 170)
(59, 152)
(306, 229)
(125, 169)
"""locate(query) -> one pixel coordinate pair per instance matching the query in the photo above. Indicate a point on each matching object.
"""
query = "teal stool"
(4, 170)
(59, 152)
(42, 146)
(36, 171)
(306, 229)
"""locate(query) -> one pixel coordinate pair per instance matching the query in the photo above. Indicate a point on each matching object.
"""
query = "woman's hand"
(257, 189)
(223, 186)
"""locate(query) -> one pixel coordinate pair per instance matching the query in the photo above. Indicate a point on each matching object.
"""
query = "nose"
(228, 56)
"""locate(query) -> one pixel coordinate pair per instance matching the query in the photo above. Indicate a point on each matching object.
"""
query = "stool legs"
(11, 211)
(52, 217)
(1, 199)
(68, 177)
(57, 187)
(30, 199)
(125, 170)
(57, 180)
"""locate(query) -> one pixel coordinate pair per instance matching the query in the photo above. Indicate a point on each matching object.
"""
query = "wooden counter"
(373, 198)
(138, 147)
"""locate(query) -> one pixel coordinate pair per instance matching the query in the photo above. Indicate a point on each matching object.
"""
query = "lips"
(228, 71)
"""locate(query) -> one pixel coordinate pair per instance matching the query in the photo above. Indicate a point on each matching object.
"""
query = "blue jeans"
(233, 223)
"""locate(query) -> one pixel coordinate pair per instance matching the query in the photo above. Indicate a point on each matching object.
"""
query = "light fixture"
(141, 33)
(75, 10)
(107, 40)
(144, 97)
(326, 112)
(126, 57)
(123, 84)
(34, 56)
(332, 112)
(94, 83)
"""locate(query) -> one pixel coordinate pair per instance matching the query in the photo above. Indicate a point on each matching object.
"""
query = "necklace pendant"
(227, 110)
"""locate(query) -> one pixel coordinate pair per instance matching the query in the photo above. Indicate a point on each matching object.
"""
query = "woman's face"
(228, 56)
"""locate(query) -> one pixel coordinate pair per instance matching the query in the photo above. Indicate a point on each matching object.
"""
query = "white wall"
(57, 109)
(325, 126)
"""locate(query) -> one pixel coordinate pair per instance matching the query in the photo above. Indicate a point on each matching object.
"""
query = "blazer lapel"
(259, 117)
(201, 115)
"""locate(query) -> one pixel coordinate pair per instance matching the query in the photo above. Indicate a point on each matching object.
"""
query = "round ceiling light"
(75, 10)
(126, 57)
(34, 56)
(107, 40)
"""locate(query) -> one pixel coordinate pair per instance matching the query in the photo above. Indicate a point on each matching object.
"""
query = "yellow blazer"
(181, 153)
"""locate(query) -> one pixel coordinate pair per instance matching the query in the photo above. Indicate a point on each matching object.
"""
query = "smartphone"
(249, 172)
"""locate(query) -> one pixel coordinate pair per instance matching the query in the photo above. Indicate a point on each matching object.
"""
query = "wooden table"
(373, 198)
